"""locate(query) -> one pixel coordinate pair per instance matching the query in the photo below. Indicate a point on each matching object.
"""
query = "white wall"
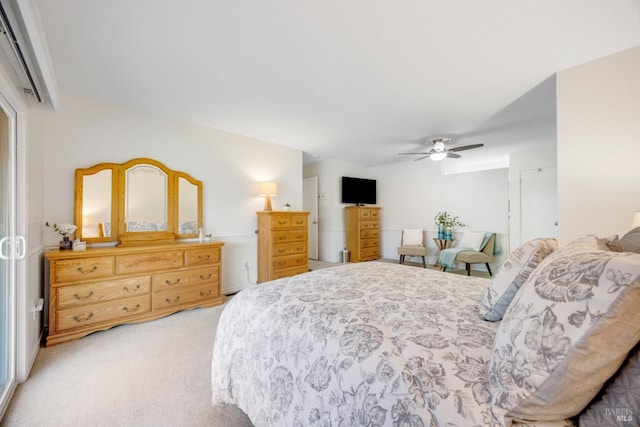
(599, 146)
(88, 131)
(412, 193)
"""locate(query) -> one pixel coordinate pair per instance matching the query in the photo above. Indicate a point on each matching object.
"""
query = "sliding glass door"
(7, 256)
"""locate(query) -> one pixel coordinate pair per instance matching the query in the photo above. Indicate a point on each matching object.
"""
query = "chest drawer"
(72, 296)
(280, 249)
(138, 263)
(201, 256)
(368, 233)
(182, 296)
(183, 278)
(369, 225)
(79, 317)
(289, 261)
(70, 270)
(368, 214)
(289, 236)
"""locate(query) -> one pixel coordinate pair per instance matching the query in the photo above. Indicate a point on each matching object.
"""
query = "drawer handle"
(128, 310)
(299, 222)
(168, 282)
(281, 222)
(202, 294)
(282, 250)
(83, 319)
(203, 277)
(281, 263)
(126, 289)
(168, 300)
(204, 258)
(93, 269)
(300, 235)
(89, 295)
(282, 237)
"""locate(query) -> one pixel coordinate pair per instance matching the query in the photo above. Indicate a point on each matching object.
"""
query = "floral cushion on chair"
(568, 329)
(514, 271)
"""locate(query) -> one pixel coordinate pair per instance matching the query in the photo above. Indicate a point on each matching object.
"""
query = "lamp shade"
(268, 188)
(437, 156)
(636, 220)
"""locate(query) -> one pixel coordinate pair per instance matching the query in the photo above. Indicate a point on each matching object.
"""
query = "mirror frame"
(118, 196)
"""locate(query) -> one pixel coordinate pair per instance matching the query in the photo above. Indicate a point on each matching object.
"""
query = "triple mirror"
(135, 203)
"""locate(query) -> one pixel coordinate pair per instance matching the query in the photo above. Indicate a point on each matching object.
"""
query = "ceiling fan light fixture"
(438, 156)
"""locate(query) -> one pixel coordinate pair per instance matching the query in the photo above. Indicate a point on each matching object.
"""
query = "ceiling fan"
(440, 151)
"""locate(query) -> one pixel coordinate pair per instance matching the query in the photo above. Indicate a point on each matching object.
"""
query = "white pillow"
(472, 240)
(412, 236)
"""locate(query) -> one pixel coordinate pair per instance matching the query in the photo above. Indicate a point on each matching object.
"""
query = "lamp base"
(267, 203)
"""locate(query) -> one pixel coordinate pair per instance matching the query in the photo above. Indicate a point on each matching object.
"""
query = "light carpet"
(156, 373)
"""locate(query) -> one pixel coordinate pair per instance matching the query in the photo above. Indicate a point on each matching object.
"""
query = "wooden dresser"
(363, 232)
(282, 244)
(100, 288)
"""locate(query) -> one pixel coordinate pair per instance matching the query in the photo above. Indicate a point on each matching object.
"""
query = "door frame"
(310, 203)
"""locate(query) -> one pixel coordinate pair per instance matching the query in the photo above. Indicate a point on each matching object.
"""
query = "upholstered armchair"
(412, 243)
(484, 255)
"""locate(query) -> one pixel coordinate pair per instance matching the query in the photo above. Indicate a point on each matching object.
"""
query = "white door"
(7, 257)
(310, 203)
(538, 203)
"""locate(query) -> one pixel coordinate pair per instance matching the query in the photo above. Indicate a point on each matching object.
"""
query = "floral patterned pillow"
(514, 271)
(568, 329)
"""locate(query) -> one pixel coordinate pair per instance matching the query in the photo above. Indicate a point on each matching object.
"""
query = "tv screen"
(360, 191)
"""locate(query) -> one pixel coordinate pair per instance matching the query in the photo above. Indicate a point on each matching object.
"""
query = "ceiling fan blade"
(420, 158)
(414, 153)
(453, 155)
(466, 147)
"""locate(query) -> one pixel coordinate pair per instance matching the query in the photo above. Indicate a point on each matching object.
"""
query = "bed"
(376, 344)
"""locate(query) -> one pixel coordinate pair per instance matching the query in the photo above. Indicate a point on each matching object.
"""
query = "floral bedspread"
(367, 344)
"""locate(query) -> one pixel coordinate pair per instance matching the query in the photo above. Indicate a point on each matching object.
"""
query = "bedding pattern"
(366, 344)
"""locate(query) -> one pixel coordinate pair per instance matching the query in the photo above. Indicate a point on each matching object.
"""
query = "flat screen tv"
(360, 191)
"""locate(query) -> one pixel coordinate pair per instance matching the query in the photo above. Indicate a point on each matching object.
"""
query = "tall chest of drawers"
(363, 232)
(282, 244)
(100, 288)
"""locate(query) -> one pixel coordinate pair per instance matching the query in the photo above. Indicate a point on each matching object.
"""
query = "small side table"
(441, 244)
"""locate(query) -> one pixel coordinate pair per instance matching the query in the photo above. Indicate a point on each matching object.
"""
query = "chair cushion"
(514, 271)
(412, 250)
(472, 257)
(568, 329)
(412, 236)
(472, 240)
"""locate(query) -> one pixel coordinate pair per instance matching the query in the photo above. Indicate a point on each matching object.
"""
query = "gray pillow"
(630, 242)
(619, 405)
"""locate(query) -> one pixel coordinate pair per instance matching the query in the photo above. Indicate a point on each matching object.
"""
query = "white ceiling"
(358, 80)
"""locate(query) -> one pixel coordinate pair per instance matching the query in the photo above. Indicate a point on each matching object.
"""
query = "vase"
(448, 233)
(65, 244)
(441, 232)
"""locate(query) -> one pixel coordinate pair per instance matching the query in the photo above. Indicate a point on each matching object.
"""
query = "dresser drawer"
(70, 270)
(280, 221)
(369, 213)
(368, 233)
(79, 317)
(370, 253)
(77, 295)
(280, 249)
(138, 263)
(185, 295)
(182, 278)
(201, 256)
(369, 225)
(299, 221)
(289, 236)
(370, 243)
(279, 274)
(289, 261)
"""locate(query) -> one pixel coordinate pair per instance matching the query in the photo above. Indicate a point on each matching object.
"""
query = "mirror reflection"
(96, 207)
(188, 207)
(146, 199)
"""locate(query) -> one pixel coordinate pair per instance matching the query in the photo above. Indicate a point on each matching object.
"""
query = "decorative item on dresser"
(99, 288)
(282, 244)
(363, 232)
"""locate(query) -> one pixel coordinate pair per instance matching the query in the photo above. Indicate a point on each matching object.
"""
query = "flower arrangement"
(63, 229)
(444, 219)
